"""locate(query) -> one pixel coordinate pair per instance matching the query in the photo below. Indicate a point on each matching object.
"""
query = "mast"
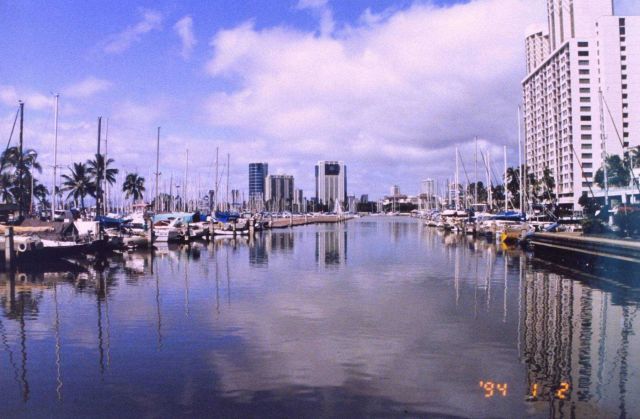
(55, 158)
(520, 168)
(186, 182)
(475, 188)
(603, 138)
(157, 171)
(228, 162)
(99, 173)
(20, 164)
(506, 190)
(489, 182)
(106, 184)
(215, 192)
(456, 182)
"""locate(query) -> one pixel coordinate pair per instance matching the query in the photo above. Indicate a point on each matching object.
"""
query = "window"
(584, 71)
(584, 81)
(587, 165)
(587, 155)
(622, 31)
(583, 53)
(588, 174)
(585, 108)
(583, 62)
(586, 147)
(585, 118)
(623, 67)
(585, 90)
(585, 127)
(585, 100)
(624, 86)
(623, 58)
(583, 44)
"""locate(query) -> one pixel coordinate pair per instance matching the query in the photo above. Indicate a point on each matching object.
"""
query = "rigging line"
(582, 171)
(15, 120)
(615, 128)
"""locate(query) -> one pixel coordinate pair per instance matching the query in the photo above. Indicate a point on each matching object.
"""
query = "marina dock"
(307, 220)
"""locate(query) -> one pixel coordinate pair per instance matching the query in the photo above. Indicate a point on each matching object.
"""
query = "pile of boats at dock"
(509, 227)
(37, 240)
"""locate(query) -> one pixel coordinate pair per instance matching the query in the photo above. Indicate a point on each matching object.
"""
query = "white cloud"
(184, 29)
(120, 42)
(87, 87)
(395, 92)
(10, 96)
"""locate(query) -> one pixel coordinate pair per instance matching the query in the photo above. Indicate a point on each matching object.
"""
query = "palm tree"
(133, 186)
(12, 165)
(618, 173)
(98, 164)
(78, 183)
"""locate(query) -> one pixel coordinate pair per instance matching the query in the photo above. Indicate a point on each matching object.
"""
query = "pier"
(619, 256)
(301, 220)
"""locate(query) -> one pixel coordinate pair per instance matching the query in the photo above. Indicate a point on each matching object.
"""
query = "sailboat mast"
(55, 158)
(520, 168)
(228, 162)
(506, 190)
(157, 206)
(603, 138)
(106, 184)
(20, 180)
(99, 173)
(475, 188)
(186, 183)
(215, 192)
(456, 183)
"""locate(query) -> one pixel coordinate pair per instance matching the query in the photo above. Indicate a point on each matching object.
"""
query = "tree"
(482, 192)
(618, 173)
(133, 186)
(99, 166)
(78, 183)
(513, 185)
(12, 165)
(548, 184)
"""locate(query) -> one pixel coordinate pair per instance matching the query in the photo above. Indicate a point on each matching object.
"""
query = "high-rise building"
(279, 192)
(331, 183)
(258, 173)
(395, 190)
(569, 125)
(299, 203)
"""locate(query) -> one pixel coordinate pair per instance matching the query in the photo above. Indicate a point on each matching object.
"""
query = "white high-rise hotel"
(586, 50)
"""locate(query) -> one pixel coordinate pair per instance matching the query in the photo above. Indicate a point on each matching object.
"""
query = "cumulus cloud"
(87, 87)
(184, 29)
(396, 91)
(120, 42)
(10, 96)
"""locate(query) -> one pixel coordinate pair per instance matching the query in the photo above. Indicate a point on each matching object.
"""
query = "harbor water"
(379, 316)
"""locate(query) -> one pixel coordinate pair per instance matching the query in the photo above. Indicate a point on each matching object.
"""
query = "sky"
(390, 87)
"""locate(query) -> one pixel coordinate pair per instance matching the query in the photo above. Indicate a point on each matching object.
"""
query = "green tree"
(618, 173)
(548, 185)
(78, 183)
(133, 186)
(482, 192)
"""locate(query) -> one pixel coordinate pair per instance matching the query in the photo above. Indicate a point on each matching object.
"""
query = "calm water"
(378, 317)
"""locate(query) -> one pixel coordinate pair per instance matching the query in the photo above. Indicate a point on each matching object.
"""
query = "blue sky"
(390, 87)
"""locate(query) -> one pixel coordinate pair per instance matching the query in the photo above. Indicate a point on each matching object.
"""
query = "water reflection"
(416, 321)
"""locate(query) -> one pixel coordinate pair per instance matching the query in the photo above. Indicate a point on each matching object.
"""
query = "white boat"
(168, 230)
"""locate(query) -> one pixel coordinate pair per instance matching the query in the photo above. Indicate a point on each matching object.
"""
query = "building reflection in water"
(573, 334)
(331, 247)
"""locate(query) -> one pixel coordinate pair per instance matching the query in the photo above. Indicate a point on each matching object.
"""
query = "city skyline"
(382, 85)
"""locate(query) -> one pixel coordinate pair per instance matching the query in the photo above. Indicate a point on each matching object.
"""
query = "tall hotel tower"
(331, 183)
(569, 126)
(258, 173)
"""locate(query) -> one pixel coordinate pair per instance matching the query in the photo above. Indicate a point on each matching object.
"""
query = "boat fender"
(23, 247)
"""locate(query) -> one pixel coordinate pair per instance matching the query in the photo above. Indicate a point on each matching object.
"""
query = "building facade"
(331, 183)
(279, 193)
(258, 173)
(580, 98)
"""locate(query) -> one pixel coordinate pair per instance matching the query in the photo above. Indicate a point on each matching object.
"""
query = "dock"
(301, 220)
(589, 253)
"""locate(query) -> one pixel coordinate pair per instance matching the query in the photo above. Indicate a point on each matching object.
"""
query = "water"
(378, 317)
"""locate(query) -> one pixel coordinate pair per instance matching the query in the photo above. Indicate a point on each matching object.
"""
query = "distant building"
(352, 204)
(279, 193)
(258, 173)
(395, 190)
(299, 203)
(235, 198)
(331, 183)
(569, 125)
(364, 198)
(427, 187)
